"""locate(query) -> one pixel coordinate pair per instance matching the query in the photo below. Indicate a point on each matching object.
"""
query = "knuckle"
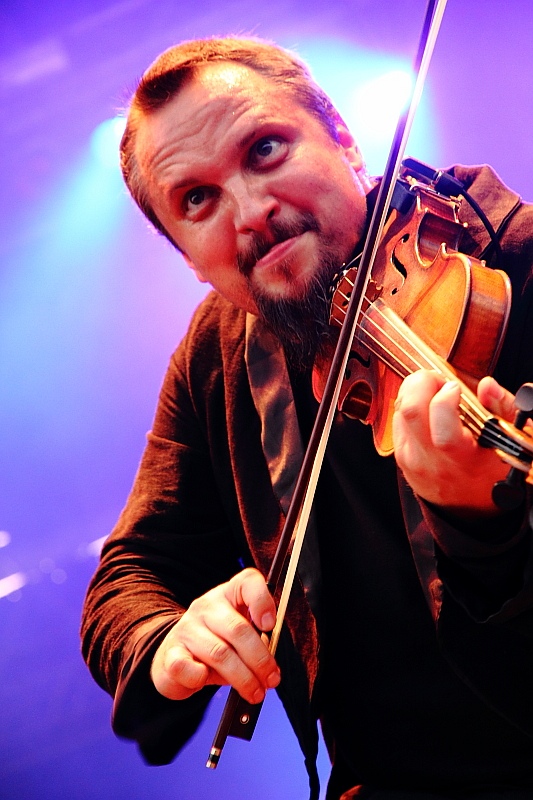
(410, 411)
(219, 653)
(263, 661)
(417, 470)
(196, 608)
(246, 580)
(248, 685)
(246, 574)
(238, 628)
(175, 664)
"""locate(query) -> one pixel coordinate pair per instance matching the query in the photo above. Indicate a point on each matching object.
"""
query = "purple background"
(92, 304)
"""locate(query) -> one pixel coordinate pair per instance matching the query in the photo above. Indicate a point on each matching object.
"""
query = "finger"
(446, 429)
(217, 635)
(195, 657)
(411, 429)
(248, 590)
(176, 675)
(496, 399)
(239, 654)
(415, 394)
(215, 643)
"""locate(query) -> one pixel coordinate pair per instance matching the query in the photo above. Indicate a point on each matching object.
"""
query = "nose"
(254, 205)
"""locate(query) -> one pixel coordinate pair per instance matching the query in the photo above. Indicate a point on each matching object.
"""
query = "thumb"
(496, 399)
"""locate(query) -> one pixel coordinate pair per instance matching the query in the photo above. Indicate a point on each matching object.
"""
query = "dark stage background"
(92, 304)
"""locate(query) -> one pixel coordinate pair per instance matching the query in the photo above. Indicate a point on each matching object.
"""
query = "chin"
(299, 318)
(287, 285)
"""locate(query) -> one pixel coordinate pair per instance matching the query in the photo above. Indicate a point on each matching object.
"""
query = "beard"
(300, 323)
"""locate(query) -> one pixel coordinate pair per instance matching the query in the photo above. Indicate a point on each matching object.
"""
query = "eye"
(195, 197)
(267, 151)
(196, 200)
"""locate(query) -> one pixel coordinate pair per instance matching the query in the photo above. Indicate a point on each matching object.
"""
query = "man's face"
(250, 186)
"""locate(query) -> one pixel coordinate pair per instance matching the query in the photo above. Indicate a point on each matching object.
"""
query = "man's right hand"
(215, 643)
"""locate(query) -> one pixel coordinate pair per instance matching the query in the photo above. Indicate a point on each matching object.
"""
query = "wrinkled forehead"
(220, 80)
(215, 87)
(216, 97)
(207, 123)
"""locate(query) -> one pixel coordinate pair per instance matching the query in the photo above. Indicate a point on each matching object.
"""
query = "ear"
(194, 268)
(351, 150)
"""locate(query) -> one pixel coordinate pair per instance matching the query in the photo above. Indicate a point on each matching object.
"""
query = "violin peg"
(509, 493)
(524, 403)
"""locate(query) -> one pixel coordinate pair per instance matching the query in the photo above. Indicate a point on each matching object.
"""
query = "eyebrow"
(241, 144)
(245, 141)
(183, 183)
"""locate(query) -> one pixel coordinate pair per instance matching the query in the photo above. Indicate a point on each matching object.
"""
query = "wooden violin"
(427, 306)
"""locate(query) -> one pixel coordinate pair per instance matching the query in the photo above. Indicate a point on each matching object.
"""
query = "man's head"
(243, 163)
(171, 70)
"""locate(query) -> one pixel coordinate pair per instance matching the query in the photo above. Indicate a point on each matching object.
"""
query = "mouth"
(278, 252)
(268, 252)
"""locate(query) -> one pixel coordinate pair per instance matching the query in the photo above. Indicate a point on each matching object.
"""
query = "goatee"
(301, 324)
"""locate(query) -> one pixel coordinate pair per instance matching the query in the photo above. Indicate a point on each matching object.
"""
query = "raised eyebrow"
(190, 182)
(245, 141)
(263, 131)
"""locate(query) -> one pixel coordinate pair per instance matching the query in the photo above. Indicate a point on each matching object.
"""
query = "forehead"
(219, 99)
(229, 89)
(229, 78)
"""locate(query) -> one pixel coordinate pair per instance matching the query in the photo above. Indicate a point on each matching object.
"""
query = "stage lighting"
(105, 141)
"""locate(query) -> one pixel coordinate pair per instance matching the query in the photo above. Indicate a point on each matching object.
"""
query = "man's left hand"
(437, 454)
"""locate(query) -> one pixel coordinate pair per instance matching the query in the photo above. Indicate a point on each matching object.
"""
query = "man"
(417, 588)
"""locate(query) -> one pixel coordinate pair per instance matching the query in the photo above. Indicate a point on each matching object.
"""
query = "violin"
(429, 306)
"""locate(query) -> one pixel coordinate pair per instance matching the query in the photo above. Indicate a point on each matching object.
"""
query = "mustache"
(279, 232)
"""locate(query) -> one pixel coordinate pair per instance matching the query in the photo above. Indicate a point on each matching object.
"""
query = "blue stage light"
(106, 139)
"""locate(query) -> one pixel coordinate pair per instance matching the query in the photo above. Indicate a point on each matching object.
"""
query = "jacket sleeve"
(171, 544)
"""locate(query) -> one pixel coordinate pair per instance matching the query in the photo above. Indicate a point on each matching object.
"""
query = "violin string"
(472, 412)
(476, 418)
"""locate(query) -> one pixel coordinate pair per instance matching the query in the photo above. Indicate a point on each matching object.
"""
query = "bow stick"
(240, 717)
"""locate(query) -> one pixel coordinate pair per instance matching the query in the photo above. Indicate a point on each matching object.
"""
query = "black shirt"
(399, 715)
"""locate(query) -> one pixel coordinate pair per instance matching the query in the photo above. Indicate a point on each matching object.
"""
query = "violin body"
(422, 288)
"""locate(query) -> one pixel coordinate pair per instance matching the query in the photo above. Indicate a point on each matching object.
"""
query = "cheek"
(209, 244)
(215, 261)
(234, 288)
(326, 190)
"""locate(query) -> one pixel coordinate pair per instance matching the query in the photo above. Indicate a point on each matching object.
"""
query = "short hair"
(170, 71)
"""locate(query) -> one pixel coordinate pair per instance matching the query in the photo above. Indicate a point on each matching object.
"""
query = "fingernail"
(267, 622)
(273, 679)
(449, 388)
(258, 696)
